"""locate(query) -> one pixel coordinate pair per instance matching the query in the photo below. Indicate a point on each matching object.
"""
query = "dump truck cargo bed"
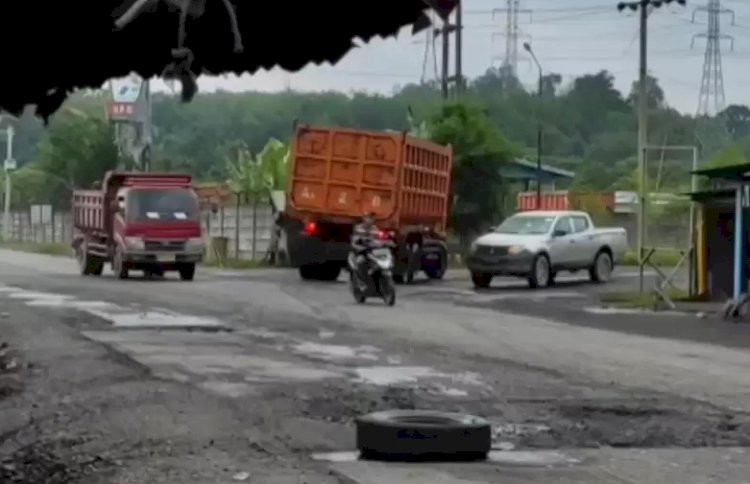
(342, 174)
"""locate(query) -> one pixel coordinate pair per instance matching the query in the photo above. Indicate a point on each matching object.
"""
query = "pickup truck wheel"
(187, 272)
(540, 272)
(601, 270)
(481, 281)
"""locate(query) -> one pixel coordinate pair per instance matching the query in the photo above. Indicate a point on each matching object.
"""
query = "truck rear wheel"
(88, 264)
(320, 272)
(481, 281)
(187, 272)
(437, 271)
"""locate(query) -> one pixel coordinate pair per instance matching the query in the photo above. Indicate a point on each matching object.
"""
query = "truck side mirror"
(559, 233)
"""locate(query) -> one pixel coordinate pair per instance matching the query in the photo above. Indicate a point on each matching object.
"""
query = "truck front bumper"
(166, 259)
(506, 265)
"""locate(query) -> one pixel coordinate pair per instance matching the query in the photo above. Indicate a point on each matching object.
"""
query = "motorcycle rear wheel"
(359, 296)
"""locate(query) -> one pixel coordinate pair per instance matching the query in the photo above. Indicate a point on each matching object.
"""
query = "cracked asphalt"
(255, 372)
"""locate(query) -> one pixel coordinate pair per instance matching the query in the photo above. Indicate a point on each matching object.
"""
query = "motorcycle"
(377, 279)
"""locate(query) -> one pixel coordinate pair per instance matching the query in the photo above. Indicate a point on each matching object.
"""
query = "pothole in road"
(337, 352)
(120, 317)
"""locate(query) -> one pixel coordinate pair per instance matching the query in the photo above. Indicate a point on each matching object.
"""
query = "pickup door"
(562, 248)
(586, 242)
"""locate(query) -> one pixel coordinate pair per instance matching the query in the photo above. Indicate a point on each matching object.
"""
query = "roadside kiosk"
(722, 233)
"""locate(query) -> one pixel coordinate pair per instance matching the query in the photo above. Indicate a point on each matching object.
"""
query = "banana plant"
(247, 176)
(274, 158)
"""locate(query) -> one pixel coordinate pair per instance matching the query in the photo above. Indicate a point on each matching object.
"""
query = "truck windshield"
(162, 204)
(526, 225)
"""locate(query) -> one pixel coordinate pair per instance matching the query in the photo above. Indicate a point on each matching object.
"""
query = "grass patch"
(660, 257)
(647, 300)
(48, 248)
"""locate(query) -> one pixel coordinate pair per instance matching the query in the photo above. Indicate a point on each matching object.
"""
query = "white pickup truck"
(536, 245)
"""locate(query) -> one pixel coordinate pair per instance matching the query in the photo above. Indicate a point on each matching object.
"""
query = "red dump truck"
(339, 175)
(138, 221)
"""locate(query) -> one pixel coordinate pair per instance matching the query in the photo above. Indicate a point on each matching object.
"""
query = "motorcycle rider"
(365, 233)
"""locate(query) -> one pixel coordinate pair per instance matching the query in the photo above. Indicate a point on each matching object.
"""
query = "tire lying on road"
(409, 435)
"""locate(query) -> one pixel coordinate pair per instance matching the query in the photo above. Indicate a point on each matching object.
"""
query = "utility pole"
(643, 7)
(9, 165)
(445, 31)
(712, 82)
(528, 48)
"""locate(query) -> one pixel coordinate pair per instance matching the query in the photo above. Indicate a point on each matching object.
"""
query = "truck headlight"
(516, 249)
(134, 243)
(194, 244)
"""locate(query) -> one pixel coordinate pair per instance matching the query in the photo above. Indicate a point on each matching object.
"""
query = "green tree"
(480, 151)
(77, 150)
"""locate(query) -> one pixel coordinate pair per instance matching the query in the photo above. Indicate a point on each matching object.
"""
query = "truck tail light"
(311, 228)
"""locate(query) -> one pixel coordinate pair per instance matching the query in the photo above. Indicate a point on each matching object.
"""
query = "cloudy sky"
(570, 37)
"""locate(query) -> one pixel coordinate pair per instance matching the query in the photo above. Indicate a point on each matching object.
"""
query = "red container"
(564, 200)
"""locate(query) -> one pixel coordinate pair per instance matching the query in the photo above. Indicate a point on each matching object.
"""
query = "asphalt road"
(255, 372)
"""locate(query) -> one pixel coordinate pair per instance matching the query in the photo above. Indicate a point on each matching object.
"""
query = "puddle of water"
(155, 319)
(67, 303)
(612, 310)
(345, 456)
(506, 429)
(450, 392)
(227, 389)
(533, 458)
(393, 375)
(337, 352)
(33, 295)
(323, 334)
(511, 457)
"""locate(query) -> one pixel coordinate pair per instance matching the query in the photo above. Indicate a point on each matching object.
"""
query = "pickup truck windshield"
(526, 225)
(162, 204)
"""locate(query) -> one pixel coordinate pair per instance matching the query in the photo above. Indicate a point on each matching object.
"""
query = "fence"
(59, 229)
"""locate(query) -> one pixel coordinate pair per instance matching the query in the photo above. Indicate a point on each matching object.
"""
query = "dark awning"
(52, 47)
(708, 195)
(732, 172)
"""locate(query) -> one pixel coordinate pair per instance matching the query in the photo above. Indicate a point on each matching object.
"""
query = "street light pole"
(527, 46)
(8, 166)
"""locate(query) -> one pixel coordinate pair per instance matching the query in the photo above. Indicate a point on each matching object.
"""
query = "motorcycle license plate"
(381, 252)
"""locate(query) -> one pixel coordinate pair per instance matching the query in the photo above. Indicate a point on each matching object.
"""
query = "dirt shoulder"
(78, 412)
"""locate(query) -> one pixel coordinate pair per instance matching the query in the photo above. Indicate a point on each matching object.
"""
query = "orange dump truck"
(339, 175)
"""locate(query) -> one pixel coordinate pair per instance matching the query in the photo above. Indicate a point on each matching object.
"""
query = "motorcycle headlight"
(516, 249)
(134, 243)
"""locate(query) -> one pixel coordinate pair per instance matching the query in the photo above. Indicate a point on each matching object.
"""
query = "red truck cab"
(139, 221)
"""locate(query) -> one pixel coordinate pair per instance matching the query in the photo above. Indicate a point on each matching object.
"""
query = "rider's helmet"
(369, 218)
